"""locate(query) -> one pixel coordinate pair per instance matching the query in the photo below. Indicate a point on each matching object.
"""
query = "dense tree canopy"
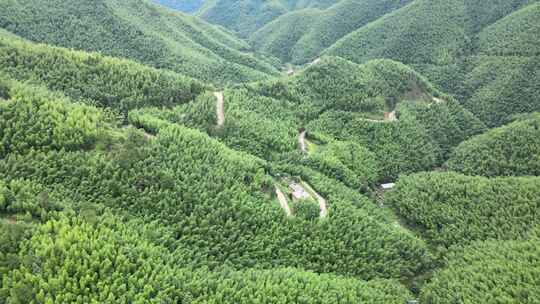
(511, 150)
(449, 208)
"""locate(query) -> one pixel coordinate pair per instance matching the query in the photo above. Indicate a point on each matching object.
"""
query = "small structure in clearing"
(388, 186)
(298, 192)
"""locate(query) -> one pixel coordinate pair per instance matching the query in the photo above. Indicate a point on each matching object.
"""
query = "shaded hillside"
(301, 35)
(246, 16)
(506, 271)
(511, 150)
(449, 209)
(138, 30)
(108, 82)
(464, 47)
(436, 32)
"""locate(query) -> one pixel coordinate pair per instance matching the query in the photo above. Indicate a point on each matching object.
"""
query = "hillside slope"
(139, 30)
(246, 16)
(107, 82)
(480, 53)
(301, 35)
(511, 150)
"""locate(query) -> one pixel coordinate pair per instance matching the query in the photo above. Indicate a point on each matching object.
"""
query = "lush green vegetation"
(483, 53)
(511, 150)
(488, 272)
(498, 88)
(94, 79)
(301, 35)
(124, 183)
(108, 261)
(345, 104)
(515, 35)
(452, 209)
(34, 119)
(217, 204)
(246, 16)
(140, 30)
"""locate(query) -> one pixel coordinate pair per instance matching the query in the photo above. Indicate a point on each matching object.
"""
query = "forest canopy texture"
(314, 151)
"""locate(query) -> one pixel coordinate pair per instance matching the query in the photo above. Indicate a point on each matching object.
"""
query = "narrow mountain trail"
(283, 201)
(220, 113)
(320, 199)
(302, 141)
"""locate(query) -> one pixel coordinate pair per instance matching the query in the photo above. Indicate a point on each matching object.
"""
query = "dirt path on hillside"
(283, 201)
(302, 141)
(320, 199)
(219, 108)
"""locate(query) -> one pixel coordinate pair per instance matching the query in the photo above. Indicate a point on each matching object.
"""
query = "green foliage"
(483, 53)
(515, 35)
(217, 204)
(400, 147)
(306, 209)
(36, 119)
(346, 161)
(92, 78)
(139, 30)
(421, 32)
(446, 122)
(259, 125)
(511, 150)
(90, 263)
(19, 197)
(114, 262)
(499, 87)
(449, 208)
(12, 234)
(488, 272)
(299, 36)
(246, 16)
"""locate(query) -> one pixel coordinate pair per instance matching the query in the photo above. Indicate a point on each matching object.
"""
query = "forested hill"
(482, 52)
(246, 16)
(147, 156)
(301, 35)
(139, 30)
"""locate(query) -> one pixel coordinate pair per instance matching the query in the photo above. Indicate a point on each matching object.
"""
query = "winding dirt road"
(320, 199)
(220, 113)
(302, 141)
(283, 201)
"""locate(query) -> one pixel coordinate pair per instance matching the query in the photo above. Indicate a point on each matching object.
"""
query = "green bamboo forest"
(270, 152)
